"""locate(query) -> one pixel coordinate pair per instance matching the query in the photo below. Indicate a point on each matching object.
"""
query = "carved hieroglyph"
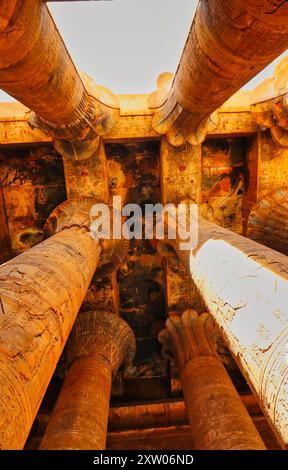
(99, 343)
(218, 418)
(228, 44)
(41, 292)
(245, 287)
(36, 69)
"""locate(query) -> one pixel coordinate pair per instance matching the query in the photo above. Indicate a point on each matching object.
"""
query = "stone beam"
(15, 129)
(168, 413)
(156, 425)
(36, 69)
(245, 287)
(228, 44)
(41, 292)
(100, 342)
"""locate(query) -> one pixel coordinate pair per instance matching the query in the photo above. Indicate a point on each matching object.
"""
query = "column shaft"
(245, 287)
(35, 66)
(215, 411)
(80, 418)
(218, 418)
(100, 342)
(41, 292)
(37, 70)
(228, 44)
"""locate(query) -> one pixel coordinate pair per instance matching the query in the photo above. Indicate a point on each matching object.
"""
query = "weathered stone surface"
(5, 243)
(41, 292)
(268, 219)
(269, 104)
(265, 212)
(222, 183)
(99, 343)
(228, 43)
(180, 172)
(215, 411)
(133, 173)
(80, 111)
(87, 177)
(131, 126)
(245, 286)
(33, 185)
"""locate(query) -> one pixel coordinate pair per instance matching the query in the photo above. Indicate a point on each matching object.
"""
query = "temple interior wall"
(226, 178)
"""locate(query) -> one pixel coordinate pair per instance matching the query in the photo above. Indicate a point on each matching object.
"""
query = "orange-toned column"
(37, 70)
(100, 342)
(245, 288)
(218, 418)
(41, 292)
(229, 43)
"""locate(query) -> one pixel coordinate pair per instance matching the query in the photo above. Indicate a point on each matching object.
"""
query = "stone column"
(245, 287)
(37, 70)
(100, 342)
(228, 44)
(218, 418)
(41, 292)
